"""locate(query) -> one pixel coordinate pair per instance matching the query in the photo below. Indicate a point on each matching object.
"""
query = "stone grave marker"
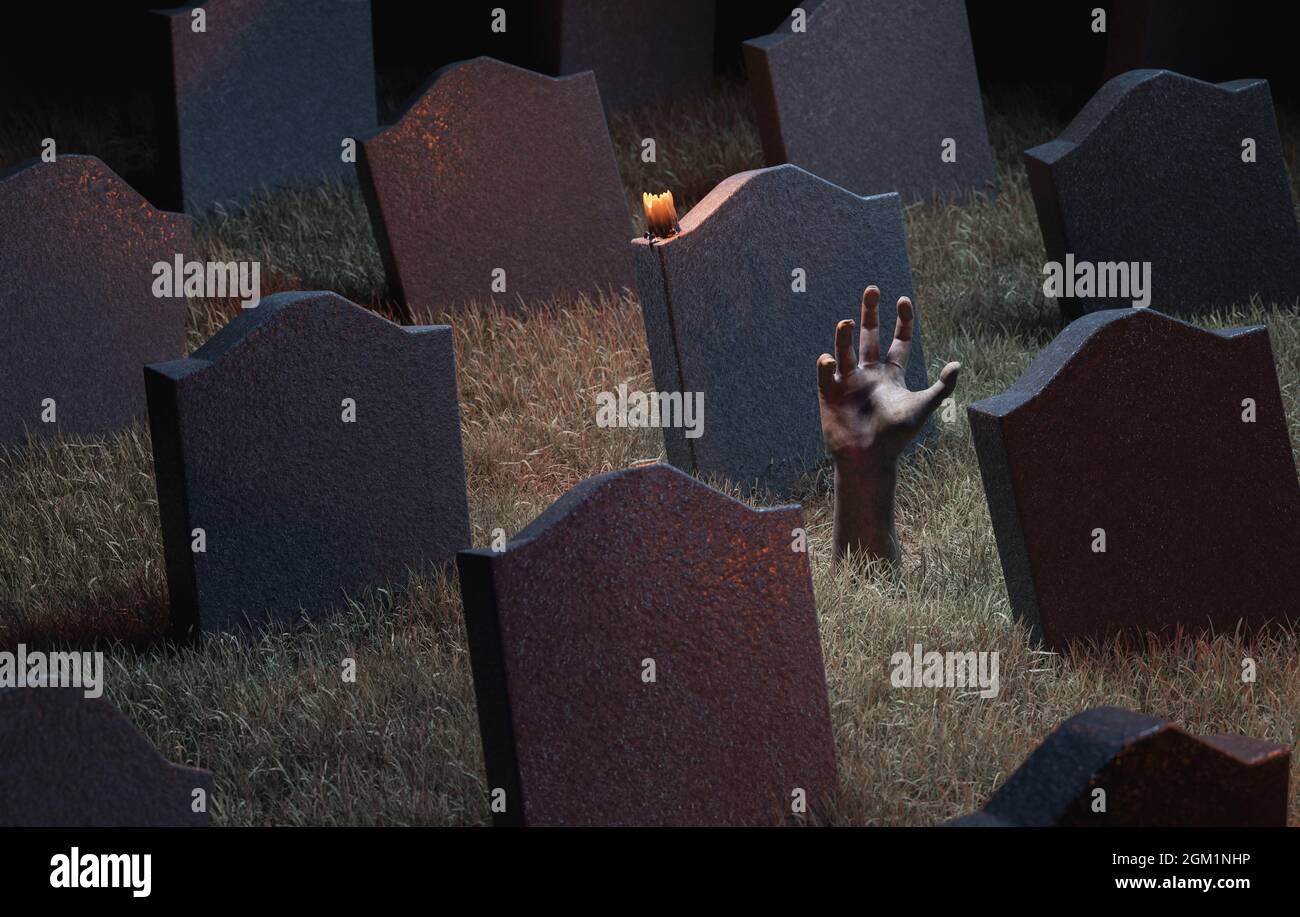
(497, 184)
(646, 653)
(641, 52)
(1150, 773)
(1140, 478)
(67, 760)
(875, 96)
(317, 447)
(264, 96)
(741, 302)
(77, 250)
(1151, 184)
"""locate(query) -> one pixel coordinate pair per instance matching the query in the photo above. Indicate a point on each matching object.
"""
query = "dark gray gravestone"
(67, 760)
(77, 250)
(723, 317)
(1153, 774)
(641, 52)
(265, 96)
(1135, 425)
(497, 184)
(1152, 171)
(870, 95)
(646, 653)
(298, 504)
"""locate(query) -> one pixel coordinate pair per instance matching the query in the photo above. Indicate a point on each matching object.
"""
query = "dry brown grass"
(81, 557)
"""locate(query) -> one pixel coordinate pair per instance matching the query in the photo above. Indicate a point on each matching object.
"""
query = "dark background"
(99, 59)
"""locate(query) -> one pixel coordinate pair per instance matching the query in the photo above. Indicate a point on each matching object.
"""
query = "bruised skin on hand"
(868, 417)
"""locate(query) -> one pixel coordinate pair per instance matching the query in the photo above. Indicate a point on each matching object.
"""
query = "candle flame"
(660, 214)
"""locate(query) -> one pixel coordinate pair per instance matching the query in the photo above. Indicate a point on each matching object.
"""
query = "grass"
(291, 743)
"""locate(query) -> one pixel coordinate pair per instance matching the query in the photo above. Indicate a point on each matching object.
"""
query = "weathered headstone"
(264, 96)
(646, 653)
(875, 96)
(308, 451)
(743, 300)
(1116, 768)
(1180, 179)
(497, 184)
(67, 760)
(641, 52)
(1140, 479)
(77, 250)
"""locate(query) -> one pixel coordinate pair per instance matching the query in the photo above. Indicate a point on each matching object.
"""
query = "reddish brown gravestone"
(1151, 774)
(497, 184)
(67, 760)
(1140, 479)
(646, 653)
(79, 318)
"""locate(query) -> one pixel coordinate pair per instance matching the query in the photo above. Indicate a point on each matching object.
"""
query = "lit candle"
(660, 214)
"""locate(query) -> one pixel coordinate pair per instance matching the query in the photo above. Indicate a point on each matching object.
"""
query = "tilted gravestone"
(640, 52)
(875, 96)
(307, 452)
(67, 760)
(646, 653)
(743, 300)
(497, 184)
(1116, 768)
(264, 96)
(1181, 179)
(77, 250)
(1140, 479)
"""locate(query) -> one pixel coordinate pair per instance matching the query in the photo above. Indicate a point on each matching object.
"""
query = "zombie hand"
(868, 417)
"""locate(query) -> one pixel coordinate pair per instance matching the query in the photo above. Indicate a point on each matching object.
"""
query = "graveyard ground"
(289, 743)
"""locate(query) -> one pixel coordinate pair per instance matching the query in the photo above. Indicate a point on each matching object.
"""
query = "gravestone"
(1152, 171)
(1151, 774)
(67, 760)
(497, 184)
(1140, 478)
(641, 52)
(741, 302)
(263, 97)
(77, 249)
(646, 653)
(875, 96)
(317, 447)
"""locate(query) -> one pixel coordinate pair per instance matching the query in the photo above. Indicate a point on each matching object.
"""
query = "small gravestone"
(1140, 478)
(263, 94)
(876, 96)
(77, 251)
(641, 52)
(646, 653)
(1116, 768)
(1166, 179)
(741, 302)
(67, 760)
(497, 184)
(308, 452)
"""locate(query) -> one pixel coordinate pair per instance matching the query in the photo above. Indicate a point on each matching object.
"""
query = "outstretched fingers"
(926, 402)
(844, 347)
(869, 345)
(901, 350)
